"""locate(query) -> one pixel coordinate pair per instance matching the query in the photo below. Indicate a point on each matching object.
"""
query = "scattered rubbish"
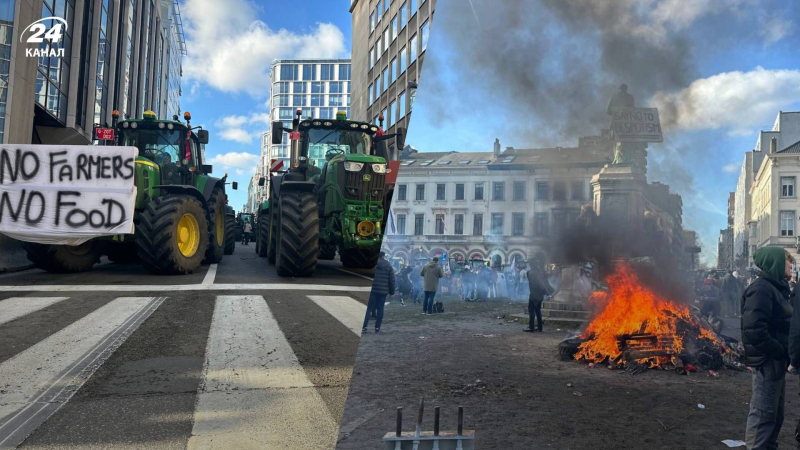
(732, 444)
(712, 373)
(701, 406)
(484, 335)
(513, 349)
(501, 317)
(690, 368)
(577, 394)
(569, 384)
(591, 364)
(423, 337)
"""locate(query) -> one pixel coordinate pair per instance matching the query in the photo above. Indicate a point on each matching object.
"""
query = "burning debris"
(637, 329)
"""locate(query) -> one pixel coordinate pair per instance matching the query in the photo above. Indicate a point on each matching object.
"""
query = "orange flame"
(629, 308)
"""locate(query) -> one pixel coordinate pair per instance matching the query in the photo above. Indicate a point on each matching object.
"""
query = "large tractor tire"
(64, 258)
(272, 235)
(173, 235)
(327, 252)
(262, 238)
(122, 252)
(359, 259)
(230, 238)
(216, 226)
(298, 234)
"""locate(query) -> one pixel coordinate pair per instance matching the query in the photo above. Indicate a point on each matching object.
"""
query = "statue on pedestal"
(626, 153)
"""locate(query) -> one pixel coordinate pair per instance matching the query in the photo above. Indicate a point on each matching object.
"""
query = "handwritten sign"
(54, 194)
(636, 124)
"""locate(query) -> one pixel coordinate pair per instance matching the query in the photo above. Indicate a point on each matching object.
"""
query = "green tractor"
(230, 230)
(330, 200)
(180, 211)
(240, 220)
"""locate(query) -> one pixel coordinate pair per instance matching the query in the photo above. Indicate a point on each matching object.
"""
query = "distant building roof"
(794, 148)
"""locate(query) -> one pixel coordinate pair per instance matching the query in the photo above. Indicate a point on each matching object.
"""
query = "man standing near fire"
(766, 316)
(538, 288)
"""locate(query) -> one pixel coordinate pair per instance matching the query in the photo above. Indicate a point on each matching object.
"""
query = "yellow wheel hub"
(188, 235)
(220, 227)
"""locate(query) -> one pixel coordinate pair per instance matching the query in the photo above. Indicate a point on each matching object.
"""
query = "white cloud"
(231, 129)
(732, 168)
(262, 118)
(736, 101)
(231, 50)
(241, 162)
(775, 28)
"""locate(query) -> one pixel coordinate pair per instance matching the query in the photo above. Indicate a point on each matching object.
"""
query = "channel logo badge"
(38, 33)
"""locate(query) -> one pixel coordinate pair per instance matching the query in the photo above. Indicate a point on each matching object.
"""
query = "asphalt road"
(232, 356)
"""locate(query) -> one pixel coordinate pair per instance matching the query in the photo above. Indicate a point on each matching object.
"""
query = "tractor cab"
(169, 145)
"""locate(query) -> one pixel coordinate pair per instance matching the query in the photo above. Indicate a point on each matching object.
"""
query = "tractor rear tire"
(216, 226)
(327, 252)
(263, 235)
(167, 225)
(359, 259)
(64, 258)
(230, 239)
(122, 252)
(298, 234)
(272, 238)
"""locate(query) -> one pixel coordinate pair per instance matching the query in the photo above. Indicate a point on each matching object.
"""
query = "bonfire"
(636, 328)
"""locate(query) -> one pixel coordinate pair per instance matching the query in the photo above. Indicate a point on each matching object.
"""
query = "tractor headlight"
(379, 168)
(161, 125)
(125, 124)
(170, 126)
(351, 166)
(134, 125)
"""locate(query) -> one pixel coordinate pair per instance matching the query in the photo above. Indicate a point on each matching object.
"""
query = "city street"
(232, 356)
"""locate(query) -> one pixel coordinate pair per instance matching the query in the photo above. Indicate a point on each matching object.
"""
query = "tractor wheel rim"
(188, 235)
(220, 227)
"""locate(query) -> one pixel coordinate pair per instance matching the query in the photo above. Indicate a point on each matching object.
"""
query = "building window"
(497, 224)
(386, 39)
(393, 70)
(336, 87)
(372, 22)
(420, 195)
(517, 224)
(345, 72)
(540, 224)
(559, 221)
(413, 49)
(413, 8)
(424, 31)
(559, 191)
(498, 191)
(299, 87)
(459, 191)
(787, 223)
(377, 87)
(372, 57)
(385, 79)
(402, 192)
(440, 189)
(384, 113)
(403, 64)
(401, 224)
(440, 224)
(519, 190)
(394, 28)
(419, 222)
(478, 191)
(391, 113)
(477, 225)
(280, 100)
(379, 11)
(371, 94)
(289, 72)
(299, 100)
(317, 87)
(326, 72)
(541, 190)
(335, 100)
(401, 105)
(787, 186)
(309, 72)
(402, 14)
(578, 191)
(459, 224)
(317, 100)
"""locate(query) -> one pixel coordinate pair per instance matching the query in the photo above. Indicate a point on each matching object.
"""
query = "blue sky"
(538, 73)
(231, 46)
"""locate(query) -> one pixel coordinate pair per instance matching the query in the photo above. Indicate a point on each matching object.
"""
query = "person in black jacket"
(382, 286)
(539, 287)
(766, 316)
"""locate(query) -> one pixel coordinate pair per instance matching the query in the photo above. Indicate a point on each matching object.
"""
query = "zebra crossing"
(251, 391)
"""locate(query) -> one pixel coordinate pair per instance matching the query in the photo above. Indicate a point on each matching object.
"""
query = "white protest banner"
(636, 124)
(66, 194)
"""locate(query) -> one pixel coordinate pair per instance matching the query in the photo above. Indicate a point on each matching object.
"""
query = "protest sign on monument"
(636, 124)
(66, 194)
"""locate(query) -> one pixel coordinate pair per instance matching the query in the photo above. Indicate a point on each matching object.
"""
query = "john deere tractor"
(180, 210)
(330, 198)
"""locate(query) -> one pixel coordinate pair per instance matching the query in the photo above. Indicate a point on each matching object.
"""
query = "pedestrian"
(710, 298)
(731, 293)
(430, 273)
(766, 317)
(539, 288)
(466, 284)
(382, 286)
(247, 228)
